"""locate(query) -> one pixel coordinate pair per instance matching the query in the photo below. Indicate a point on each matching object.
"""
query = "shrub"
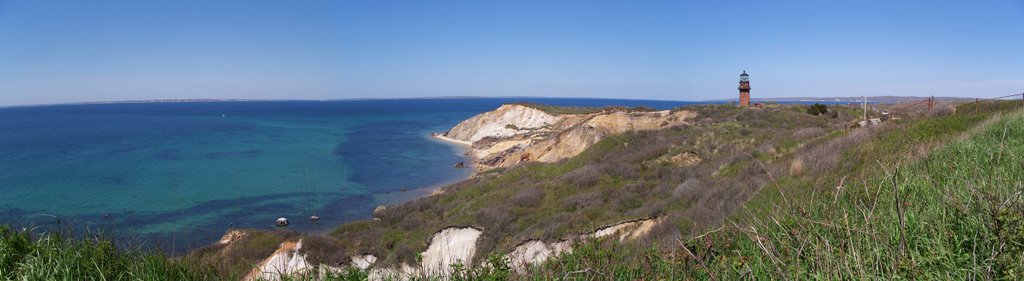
(494, 218)
(580, 200)
(689, 186)
(817, 109)
(411, 222)
(528, 197)
(583, 177)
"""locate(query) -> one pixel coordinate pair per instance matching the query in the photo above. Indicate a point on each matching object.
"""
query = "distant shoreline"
(884, 99)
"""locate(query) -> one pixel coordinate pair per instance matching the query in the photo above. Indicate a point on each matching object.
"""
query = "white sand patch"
(363, 261)
(285, 261)
(496, 123)
(451, 140)
(535, 252)
(529, 254)
(628, 230)
(450, 246)
(499, 147)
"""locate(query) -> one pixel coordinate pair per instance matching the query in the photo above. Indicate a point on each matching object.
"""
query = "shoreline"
(444, 138)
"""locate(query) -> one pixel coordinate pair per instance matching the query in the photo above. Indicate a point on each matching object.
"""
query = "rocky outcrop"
(231, 236)
(449, 246)
(286, 261)
(363, 261)
(535, 252)
(516, 133)
(507, 120)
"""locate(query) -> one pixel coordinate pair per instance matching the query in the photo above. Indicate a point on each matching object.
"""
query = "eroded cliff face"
(496, 123)
(516, 133)
(449, 246)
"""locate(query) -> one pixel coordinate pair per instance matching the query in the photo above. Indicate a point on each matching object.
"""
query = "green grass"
(953, 214)
(28, 256)
(939, 198)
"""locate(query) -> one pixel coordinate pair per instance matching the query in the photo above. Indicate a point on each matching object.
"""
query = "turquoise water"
(177, 175)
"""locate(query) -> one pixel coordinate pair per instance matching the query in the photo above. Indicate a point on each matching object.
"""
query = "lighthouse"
(744, 89)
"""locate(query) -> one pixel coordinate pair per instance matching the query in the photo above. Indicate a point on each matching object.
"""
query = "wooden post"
(975, 105)
(865, 97)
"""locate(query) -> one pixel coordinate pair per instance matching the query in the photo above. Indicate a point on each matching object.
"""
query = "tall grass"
(28, 256)
(954, 214)
(914, 202)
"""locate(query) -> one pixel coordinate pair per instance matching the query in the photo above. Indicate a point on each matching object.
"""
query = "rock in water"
(281, 222)
(460, 165)
(314, 218)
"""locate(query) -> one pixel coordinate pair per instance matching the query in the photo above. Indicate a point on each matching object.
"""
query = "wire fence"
(977, 103)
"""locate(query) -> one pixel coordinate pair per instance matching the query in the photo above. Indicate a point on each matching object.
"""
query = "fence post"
(975, 105)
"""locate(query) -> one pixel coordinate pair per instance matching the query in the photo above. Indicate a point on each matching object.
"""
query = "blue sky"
(75, 51)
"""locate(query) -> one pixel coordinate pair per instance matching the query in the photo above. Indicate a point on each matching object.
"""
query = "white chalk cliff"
(452, 245)
(515, 133)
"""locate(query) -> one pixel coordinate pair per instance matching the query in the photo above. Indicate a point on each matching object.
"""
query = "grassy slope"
(952, 213)
(958, 215)
(618, 179)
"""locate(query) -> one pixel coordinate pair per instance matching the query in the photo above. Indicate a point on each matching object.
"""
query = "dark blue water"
(178, 175)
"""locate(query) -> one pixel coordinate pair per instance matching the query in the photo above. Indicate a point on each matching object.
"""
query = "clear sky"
(75, 51)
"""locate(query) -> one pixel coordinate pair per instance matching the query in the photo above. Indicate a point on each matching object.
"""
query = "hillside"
(670, 182)
(728, 194)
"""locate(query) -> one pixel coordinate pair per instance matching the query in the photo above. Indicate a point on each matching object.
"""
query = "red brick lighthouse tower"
(744, 90)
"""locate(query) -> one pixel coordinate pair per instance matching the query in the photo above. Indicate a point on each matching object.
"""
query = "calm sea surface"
(176, 176)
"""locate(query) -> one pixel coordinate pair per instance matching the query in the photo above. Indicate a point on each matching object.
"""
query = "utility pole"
(865, 98)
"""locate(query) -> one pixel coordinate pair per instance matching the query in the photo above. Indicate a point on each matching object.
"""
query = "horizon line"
(200, 100)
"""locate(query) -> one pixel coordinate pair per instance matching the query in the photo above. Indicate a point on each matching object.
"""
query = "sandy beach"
(451, 140)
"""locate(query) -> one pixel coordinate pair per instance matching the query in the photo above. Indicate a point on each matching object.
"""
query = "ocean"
(176, 176)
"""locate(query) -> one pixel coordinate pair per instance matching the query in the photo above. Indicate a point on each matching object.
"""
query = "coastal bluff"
(516, 133)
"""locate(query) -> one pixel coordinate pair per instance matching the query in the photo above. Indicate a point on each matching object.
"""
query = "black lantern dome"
(743, 77)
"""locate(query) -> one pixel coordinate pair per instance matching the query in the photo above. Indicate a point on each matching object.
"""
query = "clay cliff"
(515, 133)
